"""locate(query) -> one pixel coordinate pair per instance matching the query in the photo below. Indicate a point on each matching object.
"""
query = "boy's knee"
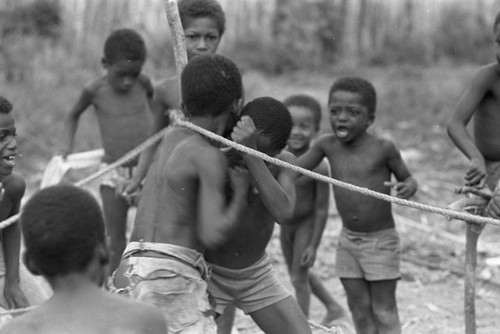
(386, 315)
(300, 280)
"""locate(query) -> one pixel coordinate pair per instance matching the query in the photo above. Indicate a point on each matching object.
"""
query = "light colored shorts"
(175, 283)
(250, 289)
(373, 256)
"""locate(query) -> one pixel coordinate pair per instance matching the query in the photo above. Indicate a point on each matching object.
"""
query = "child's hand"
(308, 257)
(475, 176)
(403, 189)
(240, 179)
(245, 133)
(14, 296)
(130, 191)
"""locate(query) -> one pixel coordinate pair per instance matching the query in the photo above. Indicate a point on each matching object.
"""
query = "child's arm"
(217, 216)
(277, 194)
(406, 185)
(467, 105)
(312, 158)
(321, 204)
(71, 120)
(11, 246)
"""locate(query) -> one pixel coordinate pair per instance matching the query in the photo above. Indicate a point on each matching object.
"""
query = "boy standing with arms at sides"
(63, 229)
(184, 208)
(481, 100)
(242, 274)
(368, 251)
(12, 187)
(204, 23)
(301, 235)
(121, 99)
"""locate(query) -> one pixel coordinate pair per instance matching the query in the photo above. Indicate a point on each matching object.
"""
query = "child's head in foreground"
(204, 23)
(351, 104)
(306, 119)
(8, 143)
(124, 56)
(63, 229)
(211, 86)
(273, 122)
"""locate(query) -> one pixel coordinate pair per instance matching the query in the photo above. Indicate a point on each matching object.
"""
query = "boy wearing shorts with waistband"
(121, 100)
(242, 274)
(184, 208)
(368, 250)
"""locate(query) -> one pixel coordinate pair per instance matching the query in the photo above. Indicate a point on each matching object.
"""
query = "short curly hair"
(271, 119)
(189, 9)
(61, 225)
(124, 44)
(5, 105)
(308, 102)
(210, 84)
(359, 86)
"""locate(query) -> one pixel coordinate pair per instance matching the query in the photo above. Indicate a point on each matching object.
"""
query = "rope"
(17, 311)
(331, 330)
(124, 159)
(450, 214)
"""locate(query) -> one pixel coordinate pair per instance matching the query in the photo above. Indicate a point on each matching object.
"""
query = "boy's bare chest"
(358, 164)
(132, 104)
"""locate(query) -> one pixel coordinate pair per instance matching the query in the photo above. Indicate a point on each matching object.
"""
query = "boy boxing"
(63, 229)
(12, 186)
(481, 100)
(184, 208)
(121, 99)
(301, 235)
(368, 251)
(242, 274)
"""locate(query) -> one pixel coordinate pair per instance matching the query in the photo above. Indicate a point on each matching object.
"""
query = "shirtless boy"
(300, 237)
(242, 274)
(481, 100)
(63, 229)
(184, 208)
(368, 251)
(204, 24)
(12, 186)
(121, 99)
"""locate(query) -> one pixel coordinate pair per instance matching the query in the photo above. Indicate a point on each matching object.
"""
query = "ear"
(28, 262)
(104, 63)
(371, 119)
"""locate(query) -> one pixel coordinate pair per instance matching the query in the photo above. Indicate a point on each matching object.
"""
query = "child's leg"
(300, 274)
(284, 316)
(384, 306)
(333, 309)
(115, 215)
(358, 294)
(226, 320)
(286, 241)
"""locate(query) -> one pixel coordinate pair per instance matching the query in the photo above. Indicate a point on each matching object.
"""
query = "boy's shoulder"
(488, 74)
(14, 185)
(167, 91)
(93, 86)
(146, 84)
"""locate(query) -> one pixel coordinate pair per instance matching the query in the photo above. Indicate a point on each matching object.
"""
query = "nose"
(342, 115)
(12, 144)
(202, 44)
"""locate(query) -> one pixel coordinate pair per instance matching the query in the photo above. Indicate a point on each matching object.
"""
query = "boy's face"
(202, 36)
(123, 73)
(497, 42)
(349, 117)
(303, 128)
(8, 144)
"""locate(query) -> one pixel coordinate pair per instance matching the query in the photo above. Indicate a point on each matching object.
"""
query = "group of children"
(206, 213)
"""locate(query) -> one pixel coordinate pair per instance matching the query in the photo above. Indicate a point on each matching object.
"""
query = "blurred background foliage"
(271, 35)
(419, 54)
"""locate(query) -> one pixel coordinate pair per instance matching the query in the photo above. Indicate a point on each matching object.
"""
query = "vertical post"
(473, 231)
(177, 33)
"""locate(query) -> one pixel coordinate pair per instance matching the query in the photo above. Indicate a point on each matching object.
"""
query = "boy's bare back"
(93, 312)
(368, 164)
(170, 196)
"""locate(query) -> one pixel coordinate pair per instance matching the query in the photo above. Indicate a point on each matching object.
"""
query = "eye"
(334, 111)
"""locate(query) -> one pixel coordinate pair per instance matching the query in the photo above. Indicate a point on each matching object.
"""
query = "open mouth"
(10, 160)
(342, 132)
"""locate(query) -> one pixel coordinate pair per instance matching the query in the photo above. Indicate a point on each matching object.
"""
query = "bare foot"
(331, 315)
